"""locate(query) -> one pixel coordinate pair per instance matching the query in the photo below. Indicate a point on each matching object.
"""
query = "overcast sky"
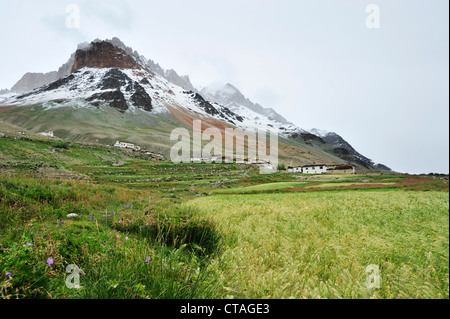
(385, 89)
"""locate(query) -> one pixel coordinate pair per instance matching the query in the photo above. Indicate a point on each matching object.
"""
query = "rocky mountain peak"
(182, 81)
(103, 54)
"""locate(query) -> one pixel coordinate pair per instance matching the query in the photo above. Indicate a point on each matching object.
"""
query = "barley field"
(144, 229)
(318, 245)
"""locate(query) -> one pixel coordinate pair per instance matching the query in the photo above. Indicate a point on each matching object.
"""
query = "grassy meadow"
(147, 229)
(318, 244)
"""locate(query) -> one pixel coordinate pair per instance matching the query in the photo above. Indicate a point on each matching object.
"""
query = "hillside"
(141, 228)
(113, 93)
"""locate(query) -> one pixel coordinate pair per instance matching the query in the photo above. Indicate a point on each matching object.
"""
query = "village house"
(314, 169)
(259, 161)
(212, 158)
(49, 134)
(127, 145)
(297, 169)
(341, 169)
(237, 160)
(208, 159)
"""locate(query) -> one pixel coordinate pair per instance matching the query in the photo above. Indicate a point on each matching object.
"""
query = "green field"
(262, 187)
(318, 245)
(147, 229)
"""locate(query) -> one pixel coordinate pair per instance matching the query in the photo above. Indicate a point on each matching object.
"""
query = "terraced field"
(148, 229)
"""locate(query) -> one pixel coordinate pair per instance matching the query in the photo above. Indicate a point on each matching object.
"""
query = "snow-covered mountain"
(336, 140)
(107, 73)
(123, 89)
(342, 146)
(258, 116)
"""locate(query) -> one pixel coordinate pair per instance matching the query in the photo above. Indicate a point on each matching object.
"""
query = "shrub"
(61, 145)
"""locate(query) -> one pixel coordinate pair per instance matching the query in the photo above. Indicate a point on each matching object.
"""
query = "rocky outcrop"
(217, 111)
(103, 55)
(229, 96)
(349, 157)
(113, 82)
(336, 140)
(308, 138)
(140, 98)
(115, 99)
(382, 166)
(182, 81)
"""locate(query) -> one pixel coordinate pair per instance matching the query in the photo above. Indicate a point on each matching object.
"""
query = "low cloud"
(267, 96)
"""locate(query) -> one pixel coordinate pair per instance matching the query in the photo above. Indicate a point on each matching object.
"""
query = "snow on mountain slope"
(319, 132)
(110, 73)
(123, 89)
(155, 89)
(254, 114)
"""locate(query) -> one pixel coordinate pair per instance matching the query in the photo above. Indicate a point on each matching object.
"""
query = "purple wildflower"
(50, 261)
(8, 274)
(147, 259)
(29, 244)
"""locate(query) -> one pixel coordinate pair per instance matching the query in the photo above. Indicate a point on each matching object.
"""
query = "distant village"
(303, 169)
(322, 169)
(137, 148)
(265, 165)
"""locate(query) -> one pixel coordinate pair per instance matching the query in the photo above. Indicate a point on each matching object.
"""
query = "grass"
(112, 253)
(262, 187)
(318, 245)
(149, 229)
(327, 185)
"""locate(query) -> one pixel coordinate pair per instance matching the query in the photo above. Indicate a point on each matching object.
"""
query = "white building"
(49, 133)
(208, 159)
(211, 158)
(314, 169)
(341, 169)
(126, 145)
(259, 161)
(297, 169)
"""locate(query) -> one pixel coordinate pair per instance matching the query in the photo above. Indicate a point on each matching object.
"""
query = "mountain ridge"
(108, 73)
(341, 144)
